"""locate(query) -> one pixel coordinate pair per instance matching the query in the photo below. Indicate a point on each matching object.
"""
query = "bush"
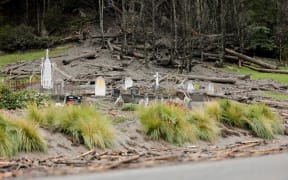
(19, 136)
(83, 123)
(167, 122)
(20, 99)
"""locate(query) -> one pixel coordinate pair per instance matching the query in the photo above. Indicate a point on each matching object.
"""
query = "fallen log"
(217, 56)
(266, 70)
(211, 79)
(87, 56)
(112, 68)
(130, 53)
(250, 59)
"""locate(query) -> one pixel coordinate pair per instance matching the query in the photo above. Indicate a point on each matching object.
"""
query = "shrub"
(20, 99)
(205, 125)
(83, 123)
(167, 122)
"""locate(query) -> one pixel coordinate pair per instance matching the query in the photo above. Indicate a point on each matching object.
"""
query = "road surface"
(273, 167)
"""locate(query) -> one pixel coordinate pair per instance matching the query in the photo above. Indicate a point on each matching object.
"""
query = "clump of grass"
(27, 135)
(120, 119)
(83, 123)
(205, 125)
(7, 148)
(129, 107)
(233, 113)
(19, 136)
(263, 122)
(258, 118)
(167, 122)
(213, 109)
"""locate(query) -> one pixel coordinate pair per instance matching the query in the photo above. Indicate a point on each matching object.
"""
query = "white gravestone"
(210, 88)
(190, 87)
(46, 73)
(128, 82)
(100, 87)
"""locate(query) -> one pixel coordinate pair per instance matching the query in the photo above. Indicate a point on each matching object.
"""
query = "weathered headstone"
(115, 93)
(210, 89)
(100, 87)
(46, 73)
(190, 87)
(128, 82)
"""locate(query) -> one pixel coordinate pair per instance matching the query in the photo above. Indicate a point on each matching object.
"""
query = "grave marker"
(100, 87)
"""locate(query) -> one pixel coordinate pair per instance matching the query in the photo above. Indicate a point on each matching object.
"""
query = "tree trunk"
(250, 59)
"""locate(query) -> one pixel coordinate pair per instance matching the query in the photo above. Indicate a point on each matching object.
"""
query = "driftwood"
(212, 79)
(112, 68)
(217, 56)
(87, 56)
(130, 53)
(266, 70)
(250, 59)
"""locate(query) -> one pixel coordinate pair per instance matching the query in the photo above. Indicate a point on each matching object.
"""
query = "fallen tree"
(250, 59)
(90, 55)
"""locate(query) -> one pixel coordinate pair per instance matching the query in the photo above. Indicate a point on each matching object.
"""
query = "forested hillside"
(257, 27)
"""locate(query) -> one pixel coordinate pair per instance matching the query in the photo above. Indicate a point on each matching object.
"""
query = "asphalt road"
(273, 167)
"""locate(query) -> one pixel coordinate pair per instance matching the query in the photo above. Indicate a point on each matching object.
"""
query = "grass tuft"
(83, 123)
(167, 122)
(206, 127)
(19, 136)
(129, 107)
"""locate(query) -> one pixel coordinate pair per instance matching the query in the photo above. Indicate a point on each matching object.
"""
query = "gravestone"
(46, 73)
(210, 89)
(190, 87)
(128, 82)
(100, 87)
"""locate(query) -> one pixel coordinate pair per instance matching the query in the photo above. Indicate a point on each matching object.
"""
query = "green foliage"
(83, 123)
(20, 99)
(129, 107)
(167, 122)
(21, 37)
(19, 136)
(205, 126)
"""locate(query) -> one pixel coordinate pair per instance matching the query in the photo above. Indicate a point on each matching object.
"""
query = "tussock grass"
(19, 136)
(27, 135)
(167, 122)
(258, 118)
(83, 123)
(213, 109)
(206, 127)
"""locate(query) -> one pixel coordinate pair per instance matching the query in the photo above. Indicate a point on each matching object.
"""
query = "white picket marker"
(100, 87)
(128, 82)
(46, 72)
